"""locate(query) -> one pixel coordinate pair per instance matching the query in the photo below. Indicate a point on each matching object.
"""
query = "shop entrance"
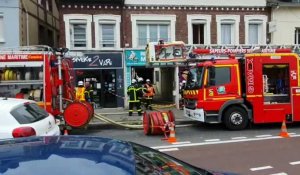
(103, 83)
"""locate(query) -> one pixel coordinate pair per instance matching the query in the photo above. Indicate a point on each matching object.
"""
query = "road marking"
(220, 142)
(260, 136)
(238, 138)
(212, 140)
(261, 168)
(282, 173)
(170, 149)
(295, 163)
(292, 133)
(178, 143)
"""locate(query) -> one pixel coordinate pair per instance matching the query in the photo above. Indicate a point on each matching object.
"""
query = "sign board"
(98, 61)
(134, 57)
(21, 57)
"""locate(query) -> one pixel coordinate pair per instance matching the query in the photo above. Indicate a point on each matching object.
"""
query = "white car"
(23, 118)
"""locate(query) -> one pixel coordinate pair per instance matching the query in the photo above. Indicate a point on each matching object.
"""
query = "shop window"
(218, 76)
(276, 83)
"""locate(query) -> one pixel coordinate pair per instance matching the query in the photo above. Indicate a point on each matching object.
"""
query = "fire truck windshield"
(194, 78)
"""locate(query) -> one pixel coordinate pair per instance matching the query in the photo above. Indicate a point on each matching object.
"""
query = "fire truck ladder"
(204, 52)
(32, 49)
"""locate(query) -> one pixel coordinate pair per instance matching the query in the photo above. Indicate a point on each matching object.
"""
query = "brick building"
(126, 26)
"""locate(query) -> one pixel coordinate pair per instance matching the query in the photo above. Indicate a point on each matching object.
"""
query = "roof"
(10, 103)
(112, 2)
(283, 3)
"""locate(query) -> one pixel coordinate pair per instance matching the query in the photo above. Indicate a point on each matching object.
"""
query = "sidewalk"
(121, 115)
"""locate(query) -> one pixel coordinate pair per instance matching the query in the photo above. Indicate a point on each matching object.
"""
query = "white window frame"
(155, 18)
(89, 19)
(199, 19)
(2, 39)
(228, 19)
(261, 20)
(107, 19)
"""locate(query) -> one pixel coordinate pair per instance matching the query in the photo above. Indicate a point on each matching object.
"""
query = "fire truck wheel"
(235, 118)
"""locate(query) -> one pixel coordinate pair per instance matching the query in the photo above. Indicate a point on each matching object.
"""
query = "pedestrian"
(133, 93)
(148, 96)
(88, 93)
(79, 92)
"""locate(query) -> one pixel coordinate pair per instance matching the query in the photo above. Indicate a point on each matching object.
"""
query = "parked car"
(23, 118)
(80, 155)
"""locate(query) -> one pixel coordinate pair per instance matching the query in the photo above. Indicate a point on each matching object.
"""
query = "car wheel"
(236, 118)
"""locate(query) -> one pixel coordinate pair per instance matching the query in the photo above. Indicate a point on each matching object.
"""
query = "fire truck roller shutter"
(237, 103)
(27, 75)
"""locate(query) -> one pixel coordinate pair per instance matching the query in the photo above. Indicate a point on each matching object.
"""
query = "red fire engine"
(45, 75)
(241, 84)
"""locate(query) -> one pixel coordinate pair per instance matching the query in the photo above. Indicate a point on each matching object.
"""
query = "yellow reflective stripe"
(204, 84)
(252, 96)
(224, 98)
(238, 78)
(224, 65)
(40, 103)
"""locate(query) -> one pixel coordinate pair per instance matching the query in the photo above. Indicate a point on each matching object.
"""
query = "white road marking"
(178, 143)
(292, 133)
(212, 140)
(261, 168)
(282, 173)
(295, 163)
(220, 142)
(170, 149)
(260, 136)
(238, 138)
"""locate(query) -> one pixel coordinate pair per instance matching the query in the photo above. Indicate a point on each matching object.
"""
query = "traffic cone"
(66, 132)
(172, 137)
(284, 132)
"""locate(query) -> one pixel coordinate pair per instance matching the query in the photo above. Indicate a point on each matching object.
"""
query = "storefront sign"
(135, 57)
(22, 57)
(98, 61)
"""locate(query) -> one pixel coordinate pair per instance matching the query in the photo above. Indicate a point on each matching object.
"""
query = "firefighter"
(181, 89)
(133, 93)
(88, 93)
(141, 90)
(148, 96)
(80, 91)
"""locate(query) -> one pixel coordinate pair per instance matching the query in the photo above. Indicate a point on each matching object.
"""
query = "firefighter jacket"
(141, 90)
(88, 94)
(80, 93)
(132, 92)
(150, 92)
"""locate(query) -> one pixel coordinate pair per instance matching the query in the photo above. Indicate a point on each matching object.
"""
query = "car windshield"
(29, 113)
(149, 161)
(194, 78)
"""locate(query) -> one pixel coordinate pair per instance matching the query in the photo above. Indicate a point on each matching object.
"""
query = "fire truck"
(45, 75)
(238, 85)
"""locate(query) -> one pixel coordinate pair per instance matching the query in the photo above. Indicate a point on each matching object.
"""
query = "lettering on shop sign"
(99, 60)
(82, 59)
(102, 62)
(250, 76)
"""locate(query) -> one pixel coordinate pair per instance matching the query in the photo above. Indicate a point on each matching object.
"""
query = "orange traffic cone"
(172, 137)
(284, 132)
(66, 132)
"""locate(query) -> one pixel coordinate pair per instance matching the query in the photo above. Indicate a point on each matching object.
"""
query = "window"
(78, 31)
(152, 33)
(1, 28)
(29, 113)
(255, 29)
(297, 36)
(147, 28)
(218, 76)
(228, 29)
(107, 29)
(199, 29)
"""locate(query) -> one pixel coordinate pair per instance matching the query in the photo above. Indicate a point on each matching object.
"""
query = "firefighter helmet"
(140, 79)
(148, 80)
(133, 80)
(80, 83)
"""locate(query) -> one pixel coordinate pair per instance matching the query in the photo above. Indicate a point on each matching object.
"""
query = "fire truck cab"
(237, 86)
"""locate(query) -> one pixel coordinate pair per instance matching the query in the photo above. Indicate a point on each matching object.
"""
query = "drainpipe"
(27, 23)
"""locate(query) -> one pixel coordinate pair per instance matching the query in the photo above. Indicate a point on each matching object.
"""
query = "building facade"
(129, 25)
(28, 22)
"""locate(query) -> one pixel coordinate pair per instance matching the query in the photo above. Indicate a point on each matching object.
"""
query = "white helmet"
(147, 80)
(183, 81)
(133, 81)
(140, 79)
(80, 83)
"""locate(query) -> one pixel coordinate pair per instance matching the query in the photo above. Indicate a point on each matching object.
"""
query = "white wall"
(231, 3)
(285, 20)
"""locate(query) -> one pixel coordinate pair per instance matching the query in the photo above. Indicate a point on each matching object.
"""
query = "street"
(257, 150)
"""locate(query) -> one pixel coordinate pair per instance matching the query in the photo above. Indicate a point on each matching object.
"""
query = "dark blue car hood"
(66, 155)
